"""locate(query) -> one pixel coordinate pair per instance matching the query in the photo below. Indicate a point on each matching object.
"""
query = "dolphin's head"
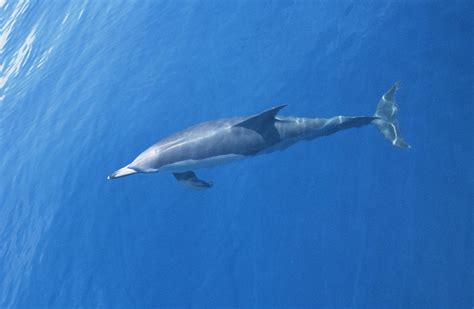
(148, 161)
(124, 171)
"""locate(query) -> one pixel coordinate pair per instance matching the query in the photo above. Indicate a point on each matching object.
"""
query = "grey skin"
(221, 141)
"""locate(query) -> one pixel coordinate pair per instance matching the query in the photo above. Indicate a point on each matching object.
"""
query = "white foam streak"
(7, 28)
(18, 60)
(44, 57)
(65, 19)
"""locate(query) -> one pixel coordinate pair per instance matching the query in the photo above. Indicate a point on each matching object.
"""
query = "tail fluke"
(386, 121)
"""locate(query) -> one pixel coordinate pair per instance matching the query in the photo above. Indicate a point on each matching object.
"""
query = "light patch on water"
(65, 19)
(7, 28)
(80, 14)
(44, 57)
(2, 3)
(18, 60)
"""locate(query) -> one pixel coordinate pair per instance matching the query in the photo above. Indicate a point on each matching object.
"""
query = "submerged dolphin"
(225, 140)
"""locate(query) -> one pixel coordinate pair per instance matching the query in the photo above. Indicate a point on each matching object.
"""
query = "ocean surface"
(345, 221)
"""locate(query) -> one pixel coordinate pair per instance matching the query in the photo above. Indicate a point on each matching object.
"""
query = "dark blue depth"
(343, 221)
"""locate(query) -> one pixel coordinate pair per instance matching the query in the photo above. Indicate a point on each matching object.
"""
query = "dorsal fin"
(264, 124)
(260, 121)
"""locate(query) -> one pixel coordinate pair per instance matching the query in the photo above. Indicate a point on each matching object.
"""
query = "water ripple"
(18, 59)
(7, 28)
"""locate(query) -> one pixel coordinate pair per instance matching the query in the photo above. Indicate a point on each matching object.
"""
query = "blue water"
(342, 221)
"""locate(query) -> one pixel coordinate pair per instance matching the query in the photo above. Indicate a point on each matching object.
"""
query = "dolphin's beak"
(124, 171)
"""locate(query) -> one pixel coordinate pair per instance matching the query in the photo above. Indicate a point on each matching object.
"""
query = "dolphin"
(225, 140)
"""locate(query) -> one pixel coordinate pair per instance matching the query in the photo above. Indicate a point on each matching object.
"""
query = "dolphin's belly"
(193, 164)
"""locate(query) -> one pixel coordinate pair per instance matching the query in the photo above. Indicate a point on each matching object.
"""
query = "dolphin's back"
(204, 141)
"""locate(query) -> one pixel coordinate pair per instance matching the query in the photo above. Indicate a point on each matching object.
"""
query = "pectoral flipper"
(190, 179)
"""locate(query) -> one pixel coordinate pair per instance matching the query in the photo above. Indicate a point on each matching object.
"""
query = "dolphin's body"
(225, 140)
